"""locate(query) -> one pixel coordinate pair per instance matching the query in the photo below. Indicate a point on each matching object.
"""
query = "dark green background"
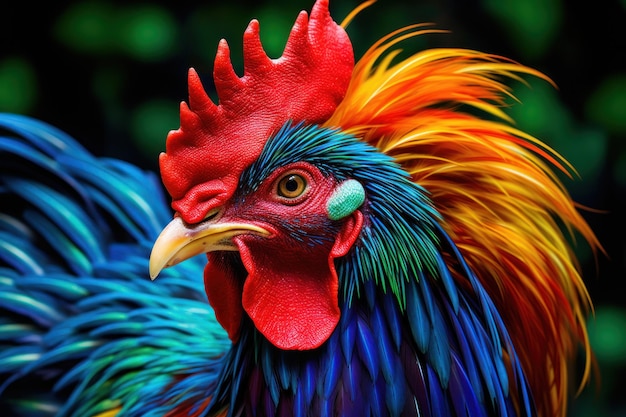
(112, 73)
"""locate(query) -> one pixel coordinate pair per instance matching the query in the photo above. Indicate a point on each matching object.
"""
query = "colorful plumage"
(381, 240)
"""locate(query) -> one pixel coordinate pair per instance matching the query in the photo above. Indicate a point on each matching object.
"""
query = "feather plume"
(496, 189)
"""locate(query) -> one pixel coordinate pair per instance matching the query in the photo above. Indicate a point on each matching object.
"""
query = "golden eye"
(291, 186)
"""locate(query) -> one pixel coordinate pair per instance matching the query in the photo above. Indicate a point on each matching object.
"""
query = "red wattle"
(292, 302)
(293, 296)
(224, 293)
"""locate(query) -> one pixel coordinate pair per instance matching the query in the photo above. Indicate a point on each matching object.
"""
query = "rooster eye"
(291, 186)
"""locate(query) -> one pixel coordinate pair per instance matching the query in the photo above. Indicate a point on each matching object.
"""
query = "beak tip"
(154, 271)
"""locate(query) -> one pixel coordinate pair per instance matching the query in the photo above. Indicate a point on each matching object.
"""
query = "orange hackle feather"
(495, 188)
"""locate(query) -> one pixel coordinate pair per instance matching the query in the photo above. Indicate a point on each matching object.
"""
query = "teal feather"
(119, 329)
(64, 214)
(70, 349)
(38, 311)
(22, 257)
(26, 152)
(80, 324)
(438, 349)
(448, 284)
(418, 318)
(59, 285)
(67, 311)
(12, 331)
(273, 385)
(124, 192)
(11, 225)
(14, 359)
(111, 207)
(75, 257)
(43, 136)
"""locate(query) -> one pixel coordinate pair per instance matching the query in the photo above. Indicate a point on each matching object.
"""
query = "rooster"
(380, 240)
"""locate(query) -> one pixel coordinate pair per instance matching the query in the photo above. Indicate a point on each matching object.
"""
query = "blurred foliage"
(143, 32)
(112, 73)
(607, 104)
(18, 87)
(530, 25)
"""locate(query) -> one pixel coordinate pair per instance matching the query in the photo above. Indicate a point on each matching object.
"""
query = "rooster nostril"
(213, 214)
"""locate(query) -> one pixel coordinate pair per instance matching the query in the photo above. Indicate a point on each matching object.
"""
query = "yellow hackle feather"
(440, 113)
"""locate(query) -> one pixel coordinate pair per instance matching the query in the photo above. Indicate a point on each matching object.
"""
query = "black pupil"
(292, 184)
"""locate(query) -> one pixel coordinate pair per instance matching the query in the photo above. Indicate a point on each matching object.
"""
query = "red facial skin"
(291, 288)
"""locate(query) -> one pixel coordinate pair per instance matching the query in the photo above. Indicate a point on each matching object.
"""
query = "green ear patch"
(346, 198)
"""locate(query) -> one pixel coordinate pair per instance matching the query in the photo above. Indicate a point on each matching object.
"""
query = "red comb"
(215, 143)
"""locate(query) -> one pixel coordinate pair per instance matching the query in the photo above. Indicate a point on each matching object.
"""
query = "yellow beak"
(178, 241)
